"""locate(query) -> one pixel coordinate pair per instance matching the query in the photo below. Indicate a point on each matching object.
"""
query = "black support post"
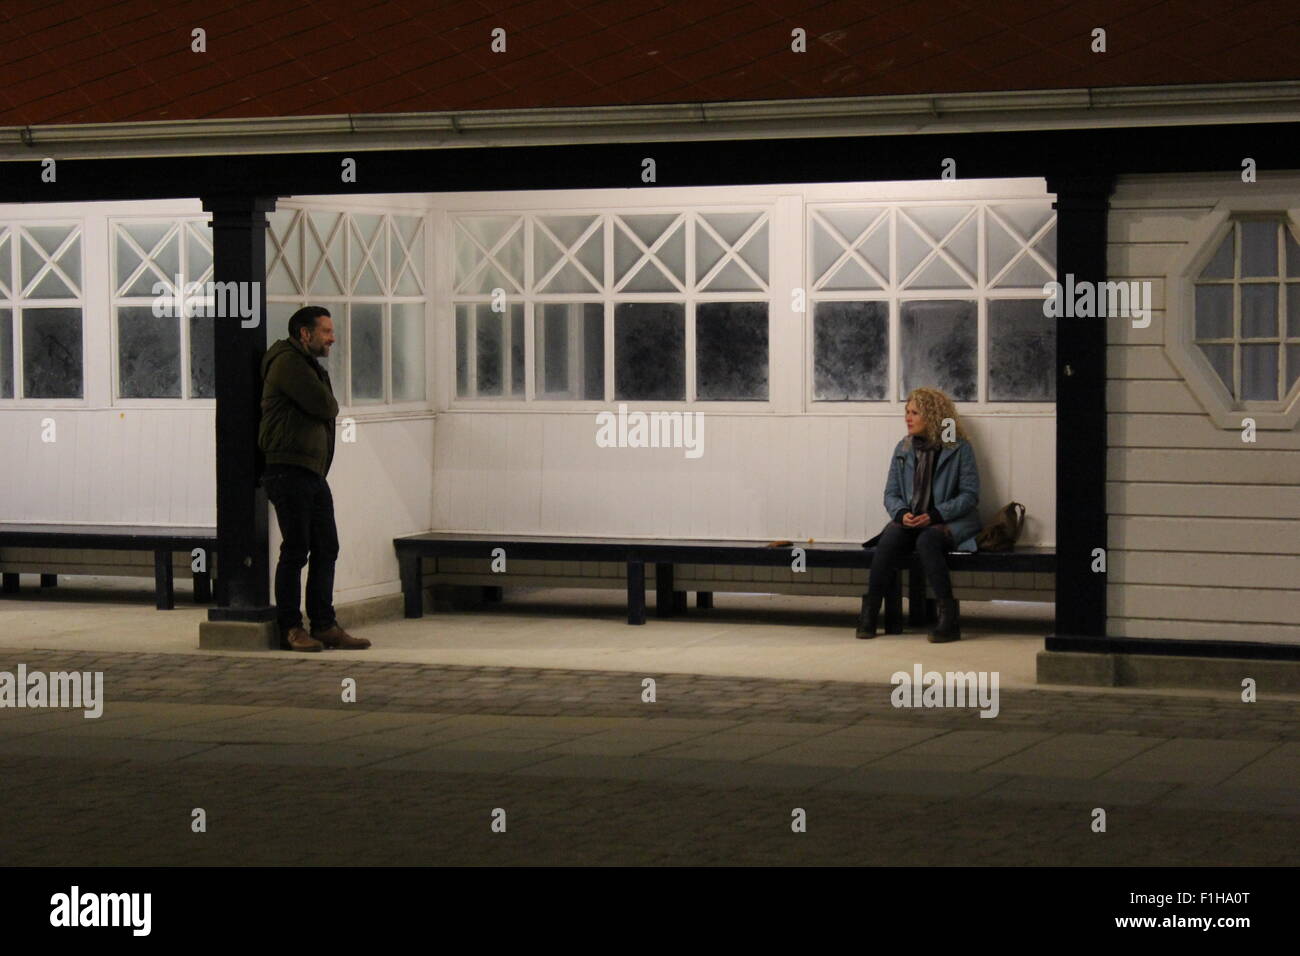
(635, 592)
(164, 593)
(239, 256)
(1082, 203)
(663, 589)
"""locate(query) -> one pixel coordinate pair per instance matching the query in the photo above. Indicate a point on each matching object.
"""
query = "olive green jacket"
(298, 409)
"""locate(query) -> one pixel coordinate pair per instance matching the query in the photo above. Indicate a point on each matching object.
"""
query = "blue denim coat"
(955, 489)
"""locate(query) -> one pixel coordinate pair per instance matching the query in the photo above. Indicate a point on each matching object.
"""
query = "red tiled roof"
(87, 61)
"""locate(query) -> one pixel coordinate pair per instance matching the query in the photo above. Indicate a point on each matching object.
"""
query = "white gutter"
(876, 115)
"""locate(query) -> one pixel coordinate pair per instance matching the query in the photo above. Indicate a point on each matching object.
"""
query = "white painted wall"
(1204, 529)
(762, 477)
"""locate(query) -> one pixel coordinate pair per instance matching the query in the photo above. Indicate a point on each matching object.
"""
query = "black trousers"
(898, 541)
(304, 509)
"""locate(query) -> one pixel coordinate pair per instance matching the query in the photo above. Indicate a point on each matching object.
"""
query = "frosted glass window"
(637, 261)
(565, 261)
(731, 351)
(851, 248)
(741, 263)
(497, 340)
(148, 354)
(850, 351)
(939, 347)
(283, 253)
(52, 353)
(408, 351)
(323, 249)
(1259, 310)
(47, 272)
(463, 319)
(1214, 311)
(650, 351)
(489, 254)
(155, 246)
(366, 352)
(198, 249)
(6, 262)
(6, 353)
(1259, 248)
(1259, 372)
(203, 369)
(570, 351)
(1022, 352)
(366, 254)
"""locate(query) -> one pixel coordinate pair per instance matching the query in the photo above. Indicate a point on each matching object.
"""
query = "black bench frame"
(637, 553)
(161, 541)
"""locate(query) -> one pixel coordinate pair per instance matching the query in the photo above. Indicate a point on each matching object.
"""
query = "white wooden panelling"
(760, 477)
(1240, 466)
(380, 485)
(1168, 397)
(1181, 629)
(1152, 498)
(1139, 361)
(1243, 535)
(110, 466)
(1241, 605)
(1212, 569)
(1136, 430)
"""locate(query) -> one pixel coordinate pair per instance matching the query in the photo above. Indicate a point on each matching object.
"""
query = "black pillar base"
(636, 592)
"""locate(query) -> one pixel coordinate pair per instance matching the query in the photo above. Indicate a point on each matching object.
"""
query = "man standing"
(297, 437)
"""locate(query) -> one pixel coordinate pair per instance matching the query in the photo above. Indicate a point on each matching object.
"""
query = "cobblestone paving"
(588, 774)
(314, 681)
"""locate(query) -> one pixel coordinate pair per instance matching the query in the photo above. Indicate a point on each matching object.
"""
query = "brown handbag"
(1005, 530)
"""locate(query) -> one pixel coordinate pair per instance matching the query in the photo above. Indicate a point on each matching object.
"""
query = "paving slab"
(1088, 793)
(99, 748)
(919, 783)
(729, 775)
(1204, 762)
(606, 767)
(622, 743)
(294, 755)
(460, 761)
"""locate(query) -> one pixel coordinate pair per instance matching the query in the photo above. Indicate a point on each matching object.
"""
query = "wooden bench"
(636, 553)
(163, 542)
(921, 610)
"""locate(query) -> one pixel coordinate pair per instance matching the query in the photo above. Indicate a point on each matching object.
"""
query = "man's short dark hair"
(305, 318)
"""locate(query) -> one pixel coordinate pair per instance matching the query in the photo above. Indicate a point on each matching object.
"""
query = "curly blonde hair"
(934, 407)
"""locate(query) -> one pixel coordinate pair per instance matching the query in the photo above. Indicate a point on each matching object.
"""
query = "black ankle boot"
(870, 616)
(948, 628)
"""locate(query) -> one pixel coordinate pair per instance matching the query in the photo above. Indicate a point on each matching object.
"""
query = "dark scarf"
(926, 455)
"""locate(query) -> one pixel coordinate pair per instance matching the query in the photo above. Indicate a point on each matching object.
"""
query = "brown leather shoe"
(340, 640)
(299, 640)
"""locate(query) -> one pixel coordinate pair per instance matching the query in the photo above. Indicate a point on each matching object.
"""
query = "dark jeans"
(897, 541)
(304, 508)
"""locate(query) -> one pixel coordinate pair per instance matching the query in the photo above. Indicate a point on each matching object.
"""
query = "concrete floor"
(764, 704)
(745, 635)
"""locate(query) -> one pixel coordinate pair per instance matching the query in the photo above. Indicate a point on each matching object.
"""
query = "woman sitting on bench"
(932, 496)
